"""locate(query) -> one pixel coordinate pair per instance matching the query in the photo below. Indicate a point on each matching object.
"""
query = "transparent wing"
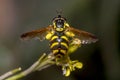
(85, 37)
(39, 33)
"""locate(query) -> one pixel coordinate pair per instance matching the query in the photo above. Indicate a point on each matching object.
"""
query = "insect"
(60, 35)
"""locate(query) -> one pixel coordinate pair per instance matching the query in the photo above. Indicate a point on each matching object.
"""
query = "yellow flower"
(69, 67)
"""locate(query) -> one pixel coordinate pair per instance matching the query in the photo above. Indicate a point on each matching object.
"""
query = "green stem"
(42, 63)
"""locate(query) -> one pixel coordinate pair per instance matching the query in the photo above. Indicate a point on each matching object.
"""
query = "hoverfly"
(60, 35)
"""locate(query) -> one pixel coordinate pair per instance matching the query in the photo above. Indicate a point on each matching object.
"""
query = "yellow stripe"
(64, 37)
(54, 44)
(59, 29)
(63, 51)
(55, 51)
(62, 43)
(54, 37)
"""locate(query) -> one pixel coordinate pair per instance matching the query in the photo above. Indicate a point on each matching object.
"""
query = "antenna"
(59, 12)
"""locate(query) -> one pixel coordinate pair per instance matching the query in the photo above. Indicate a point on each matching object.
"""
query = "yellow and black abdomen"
(59, 44)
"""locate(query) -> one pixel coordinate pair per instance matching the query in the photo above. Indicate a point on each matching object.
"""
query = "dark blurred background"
(100, 17)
